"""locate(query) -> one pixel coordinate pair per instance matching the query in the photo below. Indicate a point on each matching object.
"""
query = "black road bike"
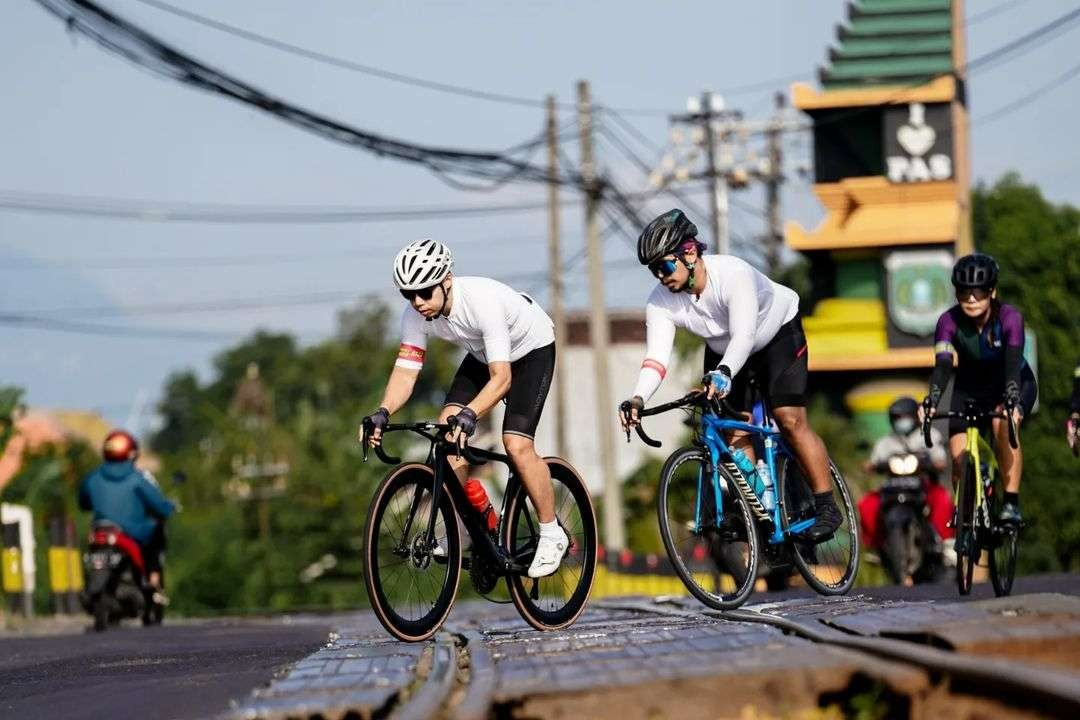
(413, 553)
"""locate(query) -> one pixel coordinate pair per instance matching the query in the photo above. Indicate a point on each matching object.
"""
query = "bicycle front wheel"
(555, 601)
(830, 566)
(1004, 542)
(716, 558)
(966, 545)
(410, 581)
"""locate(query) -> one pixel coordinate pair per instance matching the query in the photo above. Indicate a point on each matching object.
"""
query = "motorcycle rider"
(120, 493)
(906, 437)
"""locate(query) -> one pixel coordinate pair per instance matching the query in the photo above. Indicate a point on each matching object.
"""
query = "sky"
(81, 121)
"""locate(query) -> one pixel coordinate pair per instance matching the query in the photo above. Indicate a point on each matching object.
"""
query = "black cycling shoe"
(827, 521)
(1010, 515)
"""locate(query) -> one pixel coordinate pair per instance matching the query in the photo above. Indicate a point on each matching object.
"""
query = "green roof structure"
(891, 42)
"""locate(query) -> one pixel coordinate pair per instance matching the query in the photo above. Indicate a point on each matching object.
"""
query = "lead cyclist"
(510, 344)
(751, 326)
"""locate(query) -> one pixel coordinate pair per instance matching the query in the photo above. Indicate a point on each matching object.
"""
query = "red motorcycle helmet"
(120, 446)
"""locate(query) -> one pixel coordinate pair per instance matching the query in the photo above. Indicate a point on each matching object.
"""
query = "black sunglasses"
(424, 293)
(662, 268)
(979, 294)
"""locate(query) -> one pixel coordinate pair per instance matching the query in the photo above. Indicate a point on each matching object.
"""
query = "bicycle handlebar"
(695, 397)
(432, 431)
(968, 414)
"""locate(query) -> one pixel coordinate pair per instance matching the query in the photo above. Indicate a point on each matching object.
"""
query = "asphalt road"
(178, 671)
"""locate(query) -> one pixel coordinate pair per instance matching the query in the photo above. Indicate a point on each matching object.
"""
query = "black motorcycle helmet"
(664, 235)
(903, 407)
(977, 270)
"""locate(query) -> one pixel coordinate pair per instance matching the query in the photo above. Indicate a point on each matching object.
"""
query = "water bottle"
(768, 498)
(478, 496)
(746, 465)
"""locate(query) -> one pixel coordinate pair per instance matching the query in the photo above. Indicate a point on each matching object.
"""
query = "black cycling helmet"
(664, 235)
(903, 407)
(975, 271)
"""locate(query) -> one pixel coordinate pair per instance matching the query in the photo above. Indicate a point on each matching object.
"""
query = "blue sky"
(78, 120)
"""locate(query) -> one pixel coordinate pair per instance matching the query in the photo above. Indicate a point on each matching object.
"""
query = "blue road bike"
(717, 523)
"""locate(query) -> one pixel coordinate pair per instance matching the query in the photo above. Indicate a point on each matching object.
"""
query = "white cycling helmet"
(422, 264)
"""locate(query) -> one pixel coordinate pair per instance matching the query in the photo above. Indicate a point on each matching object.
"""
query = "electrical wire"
(1023, 100)
(151, 53)
(163, 212)
(993, 11)
(82, 328)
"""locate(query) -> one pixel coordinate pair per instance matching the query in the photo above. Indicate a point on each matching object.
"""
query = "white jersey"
(492, 321)
(739, 313)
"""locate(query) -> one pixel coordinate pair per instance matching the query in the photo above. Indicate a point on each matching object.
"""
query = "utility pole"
(718, 198)
(614, 532)
(773, 176)
(722, 135)
(558, 314)
(707, 114)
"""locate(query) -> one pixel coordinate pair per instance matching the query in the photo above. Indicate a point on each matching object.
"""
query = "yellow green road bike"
(979, 496)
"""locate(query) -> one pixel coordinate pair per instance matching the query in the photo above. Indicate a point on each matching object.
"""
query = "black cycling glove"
(466, 420)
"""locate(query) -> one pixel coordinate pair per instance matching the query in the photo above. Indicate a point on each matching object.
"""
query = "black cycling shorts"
(989, 397)
(530, 380)
(780, 369)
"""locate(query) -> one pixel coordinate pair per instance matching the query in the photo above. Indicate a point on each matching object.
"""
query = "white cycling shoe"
(550, 550)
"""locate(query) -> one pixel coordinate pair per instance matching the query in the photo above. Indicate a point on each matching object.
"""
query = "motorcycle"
(912, 547)
(115, 585)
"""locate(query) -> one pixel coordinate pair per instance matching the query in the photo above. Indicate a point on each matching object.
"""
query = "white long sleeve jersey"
(738, 313)
(492, 321)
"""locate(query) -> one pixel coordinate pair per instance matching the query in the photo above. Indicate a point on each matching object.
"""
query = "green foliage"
(301, 547)
(10, 405)
(1036, 243)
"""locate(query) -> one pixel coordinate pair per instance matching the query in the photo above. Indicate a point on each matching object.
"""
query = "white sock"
(551, 529)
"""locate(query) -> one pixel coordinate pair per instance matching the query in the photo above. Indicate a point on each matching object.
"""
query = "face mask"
(904, 425)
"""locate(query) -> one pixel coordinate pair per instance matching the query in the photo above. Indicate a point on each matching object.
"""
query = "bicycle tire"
(680, 500)
(395, 495)
(537, 600)
(841, 550)
(968, 554)
(1005, 546)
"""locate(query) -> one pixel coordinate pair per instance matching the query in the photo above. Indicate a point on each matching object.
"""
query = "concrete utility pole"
(772, 177)
(558, 314)
(722, 134)
(614, 531)
(718, 199)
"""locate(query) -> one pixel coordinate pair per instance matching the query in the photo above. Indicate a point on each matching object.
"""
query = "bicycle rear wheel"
(1005, 542)
(830, 566)
(410, 584)
(716, 561)
(555, 601)
(966, 546)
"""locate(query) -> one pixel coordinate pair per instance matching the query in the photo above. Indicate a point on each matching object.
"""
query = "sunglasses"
(662, 268)
(423, 293)
(979, 294)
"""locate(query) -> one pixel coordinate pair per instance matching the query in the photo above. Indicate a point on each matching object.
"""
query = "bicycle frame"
(713, 429)
(470, 518)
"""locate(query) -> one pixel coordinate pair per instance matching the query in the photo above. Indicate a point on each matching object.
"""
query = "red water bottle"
(477, 495)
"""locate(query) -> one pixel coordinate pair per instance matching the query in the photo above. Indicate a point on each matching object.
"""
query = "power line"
(151, 53)
(413, 80)
(1025, 99)
(185, 262)
(38, 323)
(158, 211)
(1023, 43)
(992, 11)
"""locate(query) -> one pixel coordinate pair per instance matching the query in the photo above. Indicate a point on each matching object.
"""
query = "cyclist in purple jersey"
(986, 338)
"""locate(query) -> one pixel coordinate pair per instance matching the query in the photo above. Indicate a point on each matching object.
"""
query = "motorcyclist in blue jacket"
(123, 494)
